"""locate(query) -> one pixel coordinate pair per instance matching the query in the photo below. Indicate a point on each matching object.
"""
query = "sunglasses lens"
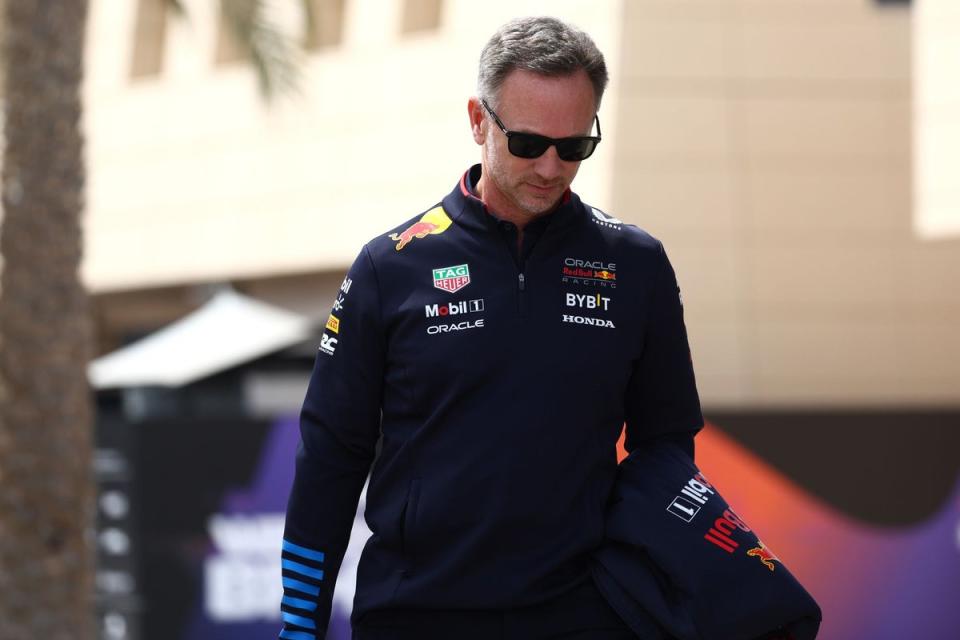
(530, 145)
(527, 145)
(576, 149)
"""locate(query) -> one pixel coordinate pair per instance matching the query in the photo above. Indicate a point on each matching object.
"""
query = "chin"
(539, 206)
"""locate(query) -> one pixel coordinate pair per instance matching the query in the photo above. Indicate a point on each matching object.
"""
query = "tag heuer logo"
(451, 279)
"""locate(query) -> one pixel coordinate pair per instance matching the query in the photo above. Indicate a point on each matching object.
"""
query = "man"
(489, 351)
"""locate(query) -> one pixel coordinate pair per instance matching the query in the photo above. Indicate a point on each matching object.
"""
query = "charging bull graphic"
(432, 222)
(765, 555)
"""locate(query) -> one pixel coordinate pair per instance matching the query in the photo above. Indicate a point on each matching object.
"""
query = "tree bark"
(46, 559)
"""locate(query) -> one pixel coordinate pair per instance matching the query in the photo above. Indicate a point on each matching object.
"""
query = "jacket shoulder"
(617, 233)
(433, 221)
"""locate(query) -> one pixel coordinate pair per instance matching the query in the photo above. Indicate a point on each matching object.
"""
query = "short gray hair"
(543, 45)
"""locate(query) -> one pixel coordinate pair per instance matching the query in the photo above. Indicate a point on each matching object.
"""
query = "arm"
(339, 428)
(662, 404)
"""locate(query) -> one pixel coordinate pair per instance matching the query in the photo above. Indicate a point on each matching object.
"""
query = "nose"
(549, 165)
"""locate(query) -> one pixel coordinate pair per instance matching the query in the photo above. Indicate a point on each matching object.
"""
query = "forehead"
(556, 106)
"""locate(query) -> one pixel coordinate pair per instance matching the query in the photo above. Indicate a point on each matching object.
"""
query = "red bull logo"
(765, 555)
(720, 533)
(433, 222)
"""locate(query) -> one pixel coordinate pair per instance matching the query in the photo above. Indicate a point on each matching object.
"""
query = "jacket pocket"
(409, 521)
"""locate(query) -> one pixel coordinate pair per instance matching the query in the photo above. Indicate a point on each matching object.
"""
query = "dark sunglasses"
(531, 145)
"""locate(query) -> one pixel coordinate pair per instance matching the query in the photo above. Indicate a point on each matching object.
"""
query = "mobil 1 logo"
(467, 309)
(692, 496)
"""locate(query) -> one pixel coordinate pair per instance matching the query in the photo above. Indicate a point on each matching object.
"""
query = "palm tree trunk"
(45, 436)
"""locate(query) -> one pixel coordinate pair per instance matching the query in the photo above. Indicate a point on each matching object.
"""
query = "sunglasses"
(531, 145)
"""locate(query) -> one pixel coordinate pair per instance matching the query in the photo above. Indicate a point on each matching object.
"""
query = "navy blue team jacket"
(487, 387)
(679, 563)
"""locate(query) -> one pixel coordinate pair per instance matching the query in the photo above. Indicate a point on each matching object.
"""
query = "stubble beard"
(529, 204)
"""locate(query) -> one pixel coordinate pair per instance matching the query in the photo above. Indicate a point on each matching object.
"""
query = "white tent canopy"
(228, 330)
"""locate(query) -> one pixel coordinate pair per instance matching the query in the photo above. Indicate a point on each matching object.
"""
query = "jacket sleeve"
(339, 428)
(677, 561)
(662, 400)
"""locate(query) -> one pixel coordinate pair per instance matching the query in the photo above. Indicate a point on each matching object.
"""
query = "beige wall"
(768, 144)
(194, 178)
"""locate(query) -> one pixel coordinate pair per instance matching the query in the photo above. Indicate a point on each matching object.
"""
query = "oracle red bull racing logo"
(589, 272)
(433, 222)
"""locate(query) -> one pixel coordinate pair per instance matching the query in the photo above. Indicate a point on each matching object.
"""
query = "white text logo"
(693, 495)
(457, 326)
(593, 322)
(585, 301)
(327, 344)
(605, 220)
(453, 308)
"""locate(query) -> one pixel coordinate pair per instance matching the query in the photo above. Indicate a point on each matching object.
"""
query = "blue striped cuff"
(300, 621)
(287, 634)
(302, 569)
(296, 585)
(303, 552)
(297, 603)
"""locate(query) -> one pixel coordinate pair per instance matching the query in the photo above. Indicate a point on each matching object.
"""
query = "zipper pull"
(522, 280)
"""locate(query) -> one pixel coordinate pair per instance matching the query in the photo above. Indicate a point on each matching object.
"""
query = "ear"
(476, 112)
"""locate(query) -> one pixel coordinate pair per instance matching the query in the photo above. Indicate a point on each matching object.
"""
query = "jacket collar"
(466, 209)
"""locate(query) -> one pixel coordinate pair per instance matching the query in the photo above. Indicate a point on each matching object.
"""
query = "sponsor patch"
(451, 279)
(683, 509)
(433, 222)
(604, 220)
(333, 323)
(591, 322)
(589, 272)
(454, 327)
(588, 301)
(693, 494)
(453, 308)
(328, 344)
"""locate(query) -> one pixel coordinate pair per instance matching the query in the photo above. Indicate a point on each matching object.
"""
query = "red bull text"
(719, 533)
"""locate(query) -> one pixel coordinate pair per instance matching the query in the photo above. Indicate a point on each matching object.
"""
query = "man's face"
(532, 103)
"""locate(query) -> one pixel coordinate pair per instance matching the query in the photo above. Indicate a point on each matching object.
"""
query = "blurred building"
(767, 143)
(798, 158)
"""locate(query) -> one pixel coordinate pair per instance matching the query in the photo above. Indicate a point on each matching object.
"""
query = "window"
(327, 27)
(228, 49)
(150, 30)
(421, 15)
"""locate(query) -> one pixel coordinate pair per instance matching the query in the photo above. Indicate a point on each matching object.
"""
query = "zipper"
(522, 284)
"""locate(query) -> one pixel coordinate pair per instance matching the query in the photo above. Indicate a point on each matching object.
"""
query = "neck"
(500, 207)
